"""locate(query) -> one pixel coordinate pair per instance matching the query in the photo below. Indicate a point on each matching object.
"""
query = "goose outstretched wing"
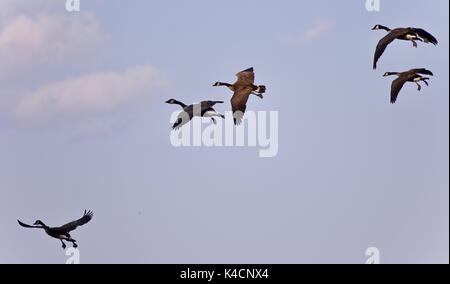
(396, 87)
(422, 71)
(385, 41)
(210, 104)
(80, 222)
(245, 78)
(426, 36)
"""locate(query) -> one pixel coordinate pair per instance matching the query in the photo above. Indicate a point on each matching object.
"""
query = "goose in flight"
(410, 34)
(203, 109)
(413, 75)
(242, 89)
(62, 233)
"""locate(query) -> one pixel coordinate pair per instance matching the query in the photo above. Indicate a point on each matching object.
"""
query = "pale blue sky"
(81, 127)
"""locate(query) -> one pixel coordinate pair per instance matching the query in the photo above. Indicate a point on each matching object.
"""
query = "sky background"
(83, 126)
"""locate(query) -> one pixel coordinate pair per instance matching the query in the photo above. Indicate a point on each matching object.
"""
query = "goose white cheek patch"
(256, 130)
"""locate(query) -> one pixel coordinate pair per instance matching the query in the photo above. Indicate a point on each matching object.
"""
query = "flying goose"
(408, 76)
(410, 34)
(242, 88)
(203, 109)
(62, 233)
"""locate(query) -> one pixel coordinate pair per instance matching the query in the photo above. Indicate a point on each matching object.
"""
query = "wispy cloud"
(28, 43)
(12, 8)
(98, 92)
(318, 30)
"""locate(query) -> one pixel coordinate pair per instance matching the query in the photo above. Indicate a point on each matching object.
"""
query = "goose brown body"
(242, 89)
(409, 34)
(413, 75)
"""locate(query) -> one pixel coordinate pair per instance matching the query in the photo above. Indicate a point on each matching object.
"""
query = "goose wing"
(182, 120)
(28, 226)
(385, 41)
(184, 117)
(245, 78)
(426, 36)
(396, 87)
(87, 216)
(210, 104)
(422, 71)
(239, 103)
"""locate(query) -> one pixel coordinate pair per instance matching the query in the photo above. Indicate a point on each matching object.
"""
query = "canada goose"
(62, 233)
(244, 86)
(410, 34)
(203, 109)
(408, 76)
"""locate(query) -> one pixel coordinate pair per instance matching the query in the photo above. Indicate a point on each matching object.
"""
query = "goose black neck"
(43, 226)
(224, 84)
(179, 103)
(392, 73)
(385, 28)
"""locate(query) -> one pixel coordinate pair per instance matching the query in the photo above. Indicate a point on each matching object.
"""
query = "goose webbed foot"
(213, 120)
(414, 44)
(75, 245)
(63, 245)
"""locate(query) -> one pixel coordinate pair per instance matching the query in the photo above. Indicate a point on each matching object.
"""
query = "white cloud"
(12, 8)
(28, 43)
(95, 93)
(318, 30)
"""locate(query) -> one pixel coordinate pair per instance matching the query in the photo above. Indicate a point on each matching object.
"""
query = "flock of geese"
(244, 87)
(245, 84)
(413, 75)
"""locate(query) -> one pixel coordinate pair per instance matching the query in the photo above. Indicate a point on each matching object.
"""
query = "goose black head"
(377, 27)
(171, 101)
(381, 27)
(217, 84)
(39, 223)
(389, 74)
